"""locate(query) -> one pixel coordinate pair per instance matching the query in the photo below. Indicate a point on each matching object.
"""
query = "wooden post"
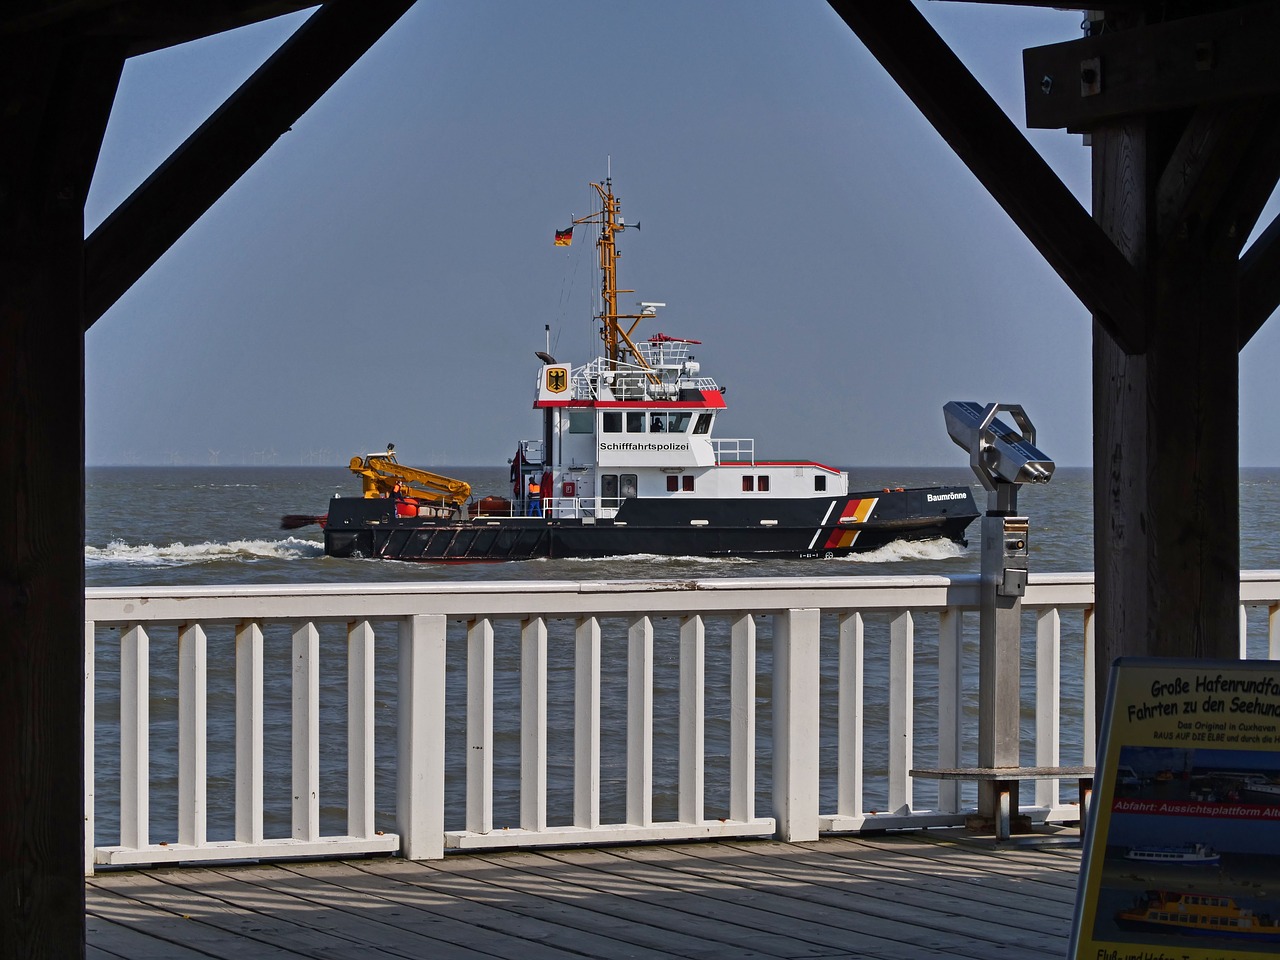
(1166, 421)
(58, 97)
(1120, 426)
(41, 589)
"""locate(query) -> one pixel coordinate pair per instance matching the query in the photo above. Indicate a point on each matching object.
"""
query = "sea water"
(219, 526)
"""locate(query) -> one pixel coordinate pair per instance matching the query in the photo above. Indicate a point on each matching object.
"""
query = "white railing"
(517, 714)
(734, 450)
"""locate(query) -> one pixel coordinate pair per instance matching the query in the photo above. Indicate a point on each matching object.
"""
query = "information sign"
(1182, 848)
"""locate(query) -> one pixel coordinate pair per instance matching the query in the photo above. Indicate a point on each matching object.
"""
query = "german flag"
(564, 237)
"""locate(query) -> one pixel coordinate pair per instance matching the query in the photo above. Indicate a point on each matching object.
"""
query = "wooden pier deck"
(897, 897)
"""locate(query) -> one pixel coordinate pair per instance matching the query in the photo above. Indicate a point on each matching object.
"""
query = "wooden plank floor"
(898, 897)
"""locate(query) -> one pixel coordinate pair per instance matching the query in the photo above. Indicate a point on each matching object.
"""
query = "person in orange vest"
(535, 496)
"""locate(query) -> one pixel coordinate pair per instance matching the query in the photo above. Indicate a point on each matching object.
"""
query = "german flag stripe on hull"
(855, 512)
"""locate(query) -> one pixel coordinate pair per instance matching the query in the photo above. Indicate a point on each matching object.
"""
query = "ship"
(1198, 915)
(1190, 854)
(629, 463)
(1261, 790)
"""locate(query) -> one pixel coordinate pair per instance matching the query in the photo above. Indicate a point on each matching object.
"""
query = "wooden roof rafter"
(234, 137)
(997, 153)
(1205, 58)
(1217, 67)
(1254, 184)
(1259, 282)
(144, 25)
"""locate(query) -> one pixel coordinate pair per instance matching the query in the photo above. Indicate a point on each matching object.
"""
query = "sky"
(386, 271)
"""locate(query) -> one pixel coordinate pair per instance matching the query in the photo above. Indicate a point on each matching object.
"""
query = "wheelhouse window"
(635, 421)
(704, 423)
(582, 421)
(819, 483)
(677, 422)
(611, 421)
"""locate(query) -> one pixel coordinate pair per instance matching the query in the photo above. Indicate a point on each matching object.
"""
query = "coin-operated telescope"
(998, 454)
(1003, 458)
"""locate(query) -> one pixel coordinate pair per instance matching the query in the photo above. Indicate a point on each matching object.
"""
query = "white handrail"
(734, 450)
(838, 748)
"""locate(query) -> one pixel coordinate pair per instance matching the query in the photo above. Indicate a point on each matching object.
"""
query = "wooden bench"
(1005, 780)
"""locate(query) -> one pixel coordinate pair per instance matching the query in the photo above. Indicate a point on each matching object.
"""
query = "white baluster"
(480, 725)
(306, 733)
(901, 711)
(135, 744)
(849, 716)
(533, 724)
(420, 741)
(360, 751)
(192, 733)
(692, 718)
(640, 722)
(795, 723)
(249, 732)
(1048, 701)
(742, 719)
(586, 724)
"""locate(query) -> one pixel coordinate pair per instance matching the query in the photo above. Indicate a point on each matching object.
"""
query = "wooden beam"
(1216, 184)
(1061, 5)
(1254, 181)
(1197, 192)
(1259, 282)
(1000, 157)
(1167, 66)
(146, 25)
(57, 98)
(238, 133)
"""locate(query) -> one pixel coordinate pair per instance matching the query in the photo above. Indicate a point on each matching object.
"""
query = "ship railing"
(414, 718)
(531, 451)
(663, 352)
(570, 508)
(734, 451)
(587, 380)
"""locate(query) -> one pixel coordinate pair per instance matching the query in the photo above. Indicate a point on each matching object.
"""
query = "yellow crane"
(380, 473)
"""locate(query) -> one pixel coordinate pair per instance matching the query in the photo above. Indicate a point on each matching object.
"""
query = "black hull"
(826, 527)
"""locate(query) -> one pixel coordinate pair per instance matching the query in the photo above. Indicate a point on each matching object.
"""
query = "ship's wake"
(658, 558)
(181, 554)
(898, 551)
(904, 550)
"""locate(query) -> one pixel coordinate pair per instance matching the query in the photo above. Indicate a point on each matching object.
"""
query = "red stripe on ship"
(850, 511)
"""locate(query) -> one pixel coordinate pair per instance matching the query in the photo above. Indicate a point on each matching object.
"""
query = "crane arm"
(380, 474)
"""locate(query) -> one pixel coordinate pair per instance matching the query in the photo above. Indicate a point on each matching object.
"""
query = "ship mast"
(617, 341)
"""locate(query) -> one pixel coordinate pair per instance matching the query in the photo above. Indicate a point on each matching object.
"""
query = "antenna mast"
(617, 341)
